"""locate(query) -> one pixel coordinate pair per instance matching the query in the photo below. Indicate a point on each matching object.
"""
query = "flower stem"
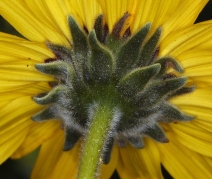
(95, 141)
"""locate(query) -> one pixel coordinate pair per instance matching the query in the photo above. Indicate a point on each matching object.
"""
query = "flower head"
(104, 85)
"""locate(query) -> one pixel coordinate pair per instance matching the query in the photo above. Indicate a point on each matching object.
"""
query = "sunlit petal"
(182, 162)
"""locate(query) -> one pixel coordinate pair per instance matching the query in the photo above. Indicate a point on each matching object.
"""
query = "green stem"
(94, 142)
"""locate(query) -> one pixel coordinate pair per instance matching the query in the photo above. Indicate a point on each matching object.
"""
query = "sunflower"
(106, 85)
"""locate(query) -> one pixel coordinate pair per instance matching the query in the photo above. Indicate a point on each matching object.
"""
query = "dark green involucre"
(125, 71)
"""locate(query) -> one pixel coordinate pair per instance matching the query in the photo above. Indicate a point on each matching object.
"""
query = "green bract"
(122, 73)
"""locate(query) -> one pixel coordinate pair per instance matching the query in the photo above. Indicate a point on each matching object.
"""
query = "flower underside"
(118, 69)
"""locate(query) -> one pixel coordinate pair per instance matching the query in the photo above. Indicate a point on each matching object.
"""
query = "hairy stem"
(96, 138)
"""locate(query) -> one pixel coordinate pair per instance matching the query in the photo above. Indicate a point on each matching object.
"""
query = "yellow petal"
(23, 74)
(24, 107)
(11, 90)
(38, 133)
(182, 162)
(35, 88)
(194, 57)
(150, 160)
(186, 39)
(183, 16)
(107, 170)
(114, 10)
(202, 84)
(203, 124)
(12, 140)
(74, 9)
(192, 129)
(18, 57)
(28, 24)
(202, 113)
(23, 123)
(52, 159)
(8, 96)
(13, 85)
(199, 142)
(14, 124)
(143, 163)
(87, 11)
(197, 63)
(13, 47)
(124, 172)
(200, 97)
(164, 13)
(203, 116)
(207, 45)
(160, 12)
(53, 13)
(200, 70)
(208, 160)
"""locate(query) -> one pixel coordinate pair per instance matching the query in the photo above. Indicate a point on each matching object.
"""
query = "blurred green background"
(21, 169)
